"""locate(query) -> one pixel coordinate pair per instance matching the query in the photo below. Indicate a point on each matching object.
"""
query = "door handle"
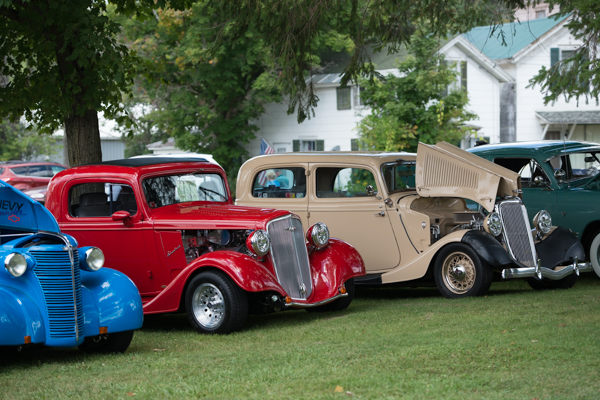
(381, 214)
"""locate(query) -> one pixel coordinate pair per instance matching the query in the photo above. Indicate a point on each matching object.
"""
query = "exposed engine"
(202, 241)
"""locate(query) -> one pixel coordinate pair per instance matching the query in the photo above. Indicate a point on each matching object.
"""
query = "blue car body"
(59, 301)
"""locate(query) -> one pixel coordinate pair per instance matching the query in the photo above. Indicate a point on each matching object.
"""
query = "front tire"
(340, 304)
(459, 272)
(594, 251)
(548, 284)
(116, 342)
(215, 304)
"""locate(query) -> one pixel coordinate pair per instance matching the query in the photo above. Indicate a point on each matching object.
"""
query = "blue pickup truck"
(53, 293)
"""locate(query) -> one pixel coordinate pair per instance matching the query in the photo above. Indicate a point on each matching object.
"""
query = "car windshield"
(164, 190)
(576, 166)
(399, 175)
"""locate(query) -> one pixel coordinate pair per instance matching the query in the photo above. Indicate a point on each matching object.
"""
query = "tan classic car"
(408, 216)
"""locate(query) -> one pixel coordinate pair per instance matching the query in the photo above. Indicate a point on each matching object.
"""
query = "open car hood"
(19, 212)
(444, 170)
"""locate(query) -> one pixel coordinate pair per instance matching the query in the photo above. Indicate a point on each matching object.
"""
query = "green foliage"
(17, 142)
(207, 101)
(292, 28)
(577, 76)
(412, 107)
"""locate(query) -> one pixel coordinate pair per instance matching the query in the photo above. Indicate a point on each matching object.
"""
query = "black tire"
(116, 342)
(340, 304)
(472, 276)
(215, 304)
(547, 284)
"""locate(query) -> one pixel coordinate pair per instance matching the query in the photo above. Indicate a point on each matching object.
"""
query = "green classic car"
(561, 177)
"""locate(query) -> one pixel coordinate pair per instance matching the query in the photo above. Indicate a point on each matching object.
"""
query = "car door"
(338, 197)
(88, 207)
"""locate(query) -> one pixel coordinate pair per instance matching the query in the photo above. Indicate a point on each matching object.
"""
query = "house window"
(357, 92)
(343, 98)
(460, 83)
(540, 14)
(309, 145)
(354, 144)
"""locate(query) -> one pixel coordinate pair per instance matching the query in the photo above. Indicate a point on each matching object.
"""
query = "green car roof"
(546, 148)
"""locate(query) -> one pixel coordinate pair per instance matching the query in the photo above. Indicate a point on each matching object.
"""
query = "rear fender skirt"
(488, 248)
(248, 273)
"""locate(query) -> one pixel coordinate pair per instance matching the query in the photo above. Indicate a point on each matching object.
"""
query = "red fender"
(246, 272)
(331, 267)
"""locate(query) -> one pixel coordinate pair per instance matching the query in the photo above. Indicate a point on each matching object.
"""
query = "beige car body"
(391, 230)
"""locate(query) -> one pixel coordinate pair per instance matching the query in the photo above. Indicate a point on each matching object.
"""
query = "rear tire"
(459, 272)
(594, 252)
(340, 304)
(116, 342)
(215, 304)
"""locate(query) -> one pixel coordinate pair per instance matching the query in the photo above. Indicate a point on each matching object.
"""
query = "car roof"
(545, 148)
(368, 157)
(147, 161)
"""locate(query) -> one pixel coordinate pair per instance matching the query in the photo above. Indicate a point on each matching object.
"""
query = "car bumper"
(542, 272)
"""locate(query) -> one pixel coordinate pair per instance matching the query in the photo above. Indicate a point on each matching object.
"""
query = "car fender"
(248, 273)
(19, 317)
(487, 247)
(111, 300)
(332, 266)
(559, 247)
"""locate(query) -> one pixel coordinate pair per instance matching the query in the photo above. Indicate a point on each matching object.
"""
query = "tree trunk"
(82, 139)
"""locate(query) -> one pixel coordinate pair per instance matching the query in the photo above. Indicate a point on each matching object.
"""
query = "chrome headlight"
(258, 242)
(16, 264)
(94, 258)
(318, 235)
(492, 224)
(542, 222)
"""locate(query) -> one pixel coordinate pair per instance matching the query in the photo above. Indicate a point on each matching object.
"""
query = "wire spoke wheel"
(208, 305)
(459, 273)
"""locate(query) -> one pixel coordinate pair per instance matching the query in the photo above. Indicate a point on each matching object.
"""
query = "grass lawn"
(391, 343)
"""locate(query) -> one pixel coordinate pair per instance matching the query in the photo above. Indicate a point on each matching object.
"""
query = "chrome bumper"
(542, 272)
(320, 303)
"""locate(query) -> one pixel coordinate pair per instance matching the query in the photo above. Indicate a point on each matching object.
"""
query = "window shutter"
(296, 145)
(354, 144)
(320, 145)
(554, 56)
(463, 75)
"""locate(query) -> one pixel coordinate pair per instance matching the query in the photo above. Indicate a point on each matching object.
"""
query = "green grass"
(391, 343)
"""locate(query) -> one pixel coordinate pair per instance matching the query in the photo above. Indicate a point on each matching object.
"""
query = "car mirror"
(123, 216)
(559, 174)
(369, 190)
(538, 181)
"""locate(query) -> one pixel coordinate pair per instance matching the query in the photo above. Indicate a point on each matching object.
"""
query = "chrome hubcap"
(208, 305)
(458, 273)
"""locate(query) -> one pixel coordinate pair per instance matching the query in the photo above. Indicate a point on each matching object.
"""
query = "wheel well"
(189, 279)
(588, 234)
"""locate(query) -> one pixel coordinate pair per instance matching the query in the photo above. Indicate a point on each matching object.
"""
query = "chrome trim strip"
(69, 247)
(320, 303)
(542, 272)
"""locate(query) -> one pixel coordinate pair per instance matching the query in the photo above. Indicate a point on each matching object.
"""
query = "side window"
(56, 169)
(39, 171)
(101, 199)
(528, 168)
(22, 171)
(280, 182)
(344, 182)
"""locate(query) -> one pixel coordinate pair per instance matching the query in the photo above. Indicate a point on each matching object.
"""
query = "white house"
(531, 45)
(339, 110)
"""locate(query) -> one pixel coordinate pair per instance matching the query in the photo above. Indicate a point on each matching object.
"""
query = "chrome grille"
(61, 285)
(290, 257)
(517, 232)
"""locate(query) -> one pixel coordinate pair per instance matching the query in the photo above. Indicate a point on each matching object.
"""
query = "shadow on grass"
(36, 356)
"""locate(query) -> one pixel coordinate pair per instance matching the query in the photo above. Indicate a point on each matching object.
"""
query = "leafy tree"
(413, 107)
(207, 100)
(19, 143)
(62, 64)
(578, 75)
(289, 28)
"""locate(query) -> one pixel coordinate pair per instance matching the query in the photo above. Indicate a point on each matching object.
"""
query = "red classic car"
(171, 226)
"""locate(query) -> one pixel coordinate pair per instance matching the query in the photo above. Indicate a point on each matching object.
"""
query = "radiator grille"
(290, 257)
(517, 232)
(62, 291)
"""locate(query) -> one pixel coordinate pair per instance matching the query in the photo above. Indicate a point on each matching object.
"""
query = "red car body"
(28, 175)
(163, 248)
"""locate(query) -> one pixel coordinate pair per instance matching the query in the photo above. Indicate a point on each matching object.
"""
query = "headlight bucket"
(92, 259)
(492, 224)
(318, 235)
(258, 242)
(16, 264)
(542, 222)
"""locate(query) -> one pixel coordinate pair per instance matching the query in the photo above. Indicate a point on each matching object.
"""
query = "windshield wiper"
(207, 191)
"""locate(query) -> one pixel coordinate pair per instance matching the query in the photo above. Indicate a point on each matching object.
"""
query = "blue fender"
(19, 317)
(110, 299)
